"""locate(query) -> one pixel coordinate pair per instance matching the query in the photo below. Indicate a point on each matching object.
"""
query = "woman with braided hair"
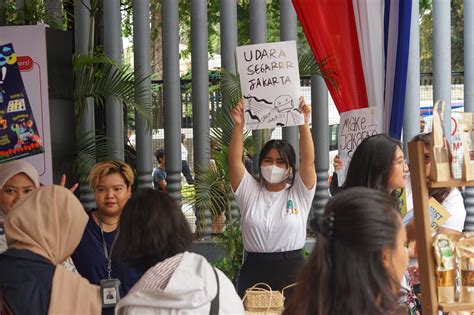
(362, 231)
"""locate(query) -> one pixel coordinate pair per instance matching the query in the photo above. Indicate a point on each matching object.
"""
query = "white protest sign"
(270, 83)
(355, 126)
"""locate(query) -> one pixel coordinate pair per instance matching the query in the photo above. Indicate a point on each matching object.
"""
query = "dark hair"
(345, 273)
(369, 167)
(286, 152)
(440, 194)
(152, 228)
(159, 154)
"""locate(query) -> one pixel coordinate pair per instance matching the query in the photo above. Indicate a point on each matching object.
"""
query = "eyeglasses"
(402, 163)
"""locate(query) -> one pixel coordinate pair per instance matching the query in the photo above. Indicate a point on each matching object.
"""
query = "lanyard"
(108, 254)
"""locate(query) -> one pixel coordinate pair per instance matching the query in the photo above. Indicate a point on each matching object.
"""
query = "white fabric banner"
(369, 18)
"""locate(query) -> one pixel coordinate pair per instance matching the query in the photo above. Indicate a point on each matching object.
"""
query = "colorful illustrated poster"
(29, 42)
(355, 126)
(270, 84)
(18, 132)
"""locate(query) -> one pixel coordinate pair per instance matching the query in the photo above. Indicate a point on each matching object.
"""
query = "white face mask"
(274, 174)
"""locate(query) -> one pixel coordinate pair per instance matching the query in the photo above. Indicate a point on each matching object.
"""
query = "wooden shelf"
(452, 307)
(423, 233)
(451, 183)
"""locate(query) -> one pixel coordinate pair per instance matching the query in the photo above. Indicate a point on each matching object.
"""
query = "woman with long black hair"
(273, 211)
(358, 261)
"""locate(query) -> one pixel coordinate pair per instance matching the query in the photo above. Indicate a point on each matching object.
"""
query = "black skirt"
(275, 269)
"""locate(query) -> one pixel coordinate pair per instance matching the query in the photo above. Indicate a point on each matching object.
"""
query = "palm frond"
(308, 66)
(82, 61)
(223, 121)
(231, 94)
(99, 77)
(91, 149)
(230, 88)
(210, 191)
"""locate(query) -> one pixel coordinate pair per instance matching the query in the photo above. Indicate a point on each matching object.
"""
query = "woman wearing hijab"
(42, 230)
(17, 179)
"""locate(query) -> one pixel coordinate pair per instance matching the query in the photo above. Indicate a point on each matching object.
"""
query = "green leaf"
(91, 149)
(308, 66)
(100, 77)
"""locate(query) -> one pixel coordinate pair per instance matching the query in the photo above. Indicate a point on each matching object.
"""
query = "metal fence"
(215, 101)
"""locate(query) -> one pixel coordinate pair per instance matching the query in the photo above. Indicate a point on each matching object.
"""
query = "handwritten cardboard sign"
(355, 126)
(270, 83)
(438, 214)
(18, 131)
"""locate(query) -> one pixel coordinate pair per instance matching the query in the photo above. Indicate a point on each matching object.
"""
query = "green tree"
(426, 35)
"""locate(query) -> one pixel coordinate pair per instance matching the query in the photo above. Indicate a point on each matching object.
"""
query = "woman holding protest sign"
(273, 211)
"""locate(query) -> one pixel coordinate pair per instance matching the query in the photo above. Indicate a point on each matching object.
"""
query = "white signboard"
(355, 126)
(30, 47)
(270, 83)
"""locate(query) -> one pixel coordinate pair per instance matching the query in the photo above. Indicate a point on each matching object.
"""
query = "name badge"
(109, 292)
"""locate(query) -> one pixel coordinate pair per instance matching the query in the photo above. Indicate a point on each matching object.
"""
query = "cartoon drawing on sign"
(285, 104)
(282, 112)
(258, 110)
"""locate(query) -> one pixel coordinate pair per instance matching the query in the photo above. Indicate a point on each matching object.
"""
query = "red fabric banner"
(330, 28)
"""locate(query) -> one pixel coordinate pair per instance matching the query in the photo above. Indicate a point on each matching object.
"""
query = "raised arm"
(307, 169)
(236, 147)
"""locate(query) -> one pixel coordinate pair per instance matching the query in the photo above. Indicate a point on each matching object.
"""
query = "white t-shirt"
(453, 203)
(268, 225)
(184, 153)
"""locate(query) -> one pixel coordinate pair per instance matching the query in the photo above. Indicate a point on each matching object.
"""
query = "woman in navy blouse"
(95, 257)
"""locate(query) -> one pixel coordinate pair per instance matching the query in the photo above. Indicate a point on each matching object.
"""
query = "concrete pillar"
(20, 10)
(142, 62)
(200, 94)
(320, 132)
(53, 13)
(171, 96)
(228, 24)
(442, 58)
(411, 117)
(82, 26)
(469, 94)
(112, 48)
(288, 32)
(258, 34)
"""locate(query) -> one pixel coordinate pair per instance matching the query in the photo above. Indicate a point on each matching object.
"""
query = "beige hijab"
(50, 222)
(10, 169)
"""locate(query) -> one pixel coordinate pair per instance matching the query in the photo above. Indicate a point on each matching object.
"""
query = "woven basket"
(258, 300)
